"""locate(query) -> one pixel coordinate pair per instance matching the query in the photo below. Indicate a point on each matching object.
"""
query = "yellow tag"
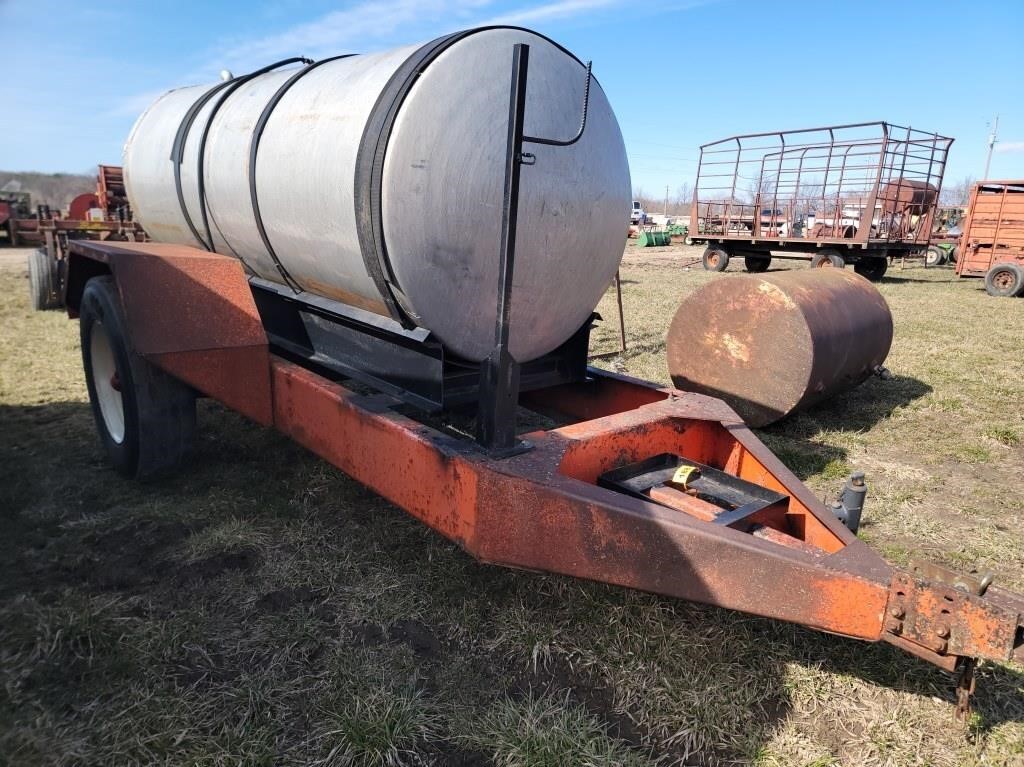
(684, 474)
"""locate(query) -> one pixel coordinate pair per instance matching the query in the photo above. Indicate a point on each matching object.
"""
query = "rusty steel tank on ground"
(775, 343)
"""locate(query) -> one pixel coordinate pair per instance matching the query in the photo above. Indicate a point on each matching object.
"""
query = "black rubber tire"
(159, 412)
(757, 264)
(953, 253)
(871, 267)
(715, 259)
(42, 281)
(828, 258)
(935, 256)
(1004, 280)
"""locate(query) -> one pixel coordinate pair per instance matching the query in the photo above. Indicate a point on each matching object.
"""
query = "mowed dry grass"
(262, 608)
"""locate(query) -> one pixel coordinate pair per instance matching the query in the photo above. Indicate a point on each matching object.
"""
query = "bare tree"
(678, 204)
(54, 189)
(956, 194)
(683, 198)
(764, 186)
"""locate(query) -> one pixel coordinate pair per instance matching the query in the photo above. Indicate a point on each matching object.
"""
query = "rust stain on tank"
(736, 348)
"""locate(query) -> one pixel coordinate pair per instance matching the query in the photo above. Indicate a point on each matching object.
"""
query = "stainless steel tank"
(379, 178)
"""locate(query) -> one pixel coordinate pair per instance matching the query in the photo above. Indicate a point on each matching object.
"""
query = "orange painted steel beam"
(191, 312)
(529, 511)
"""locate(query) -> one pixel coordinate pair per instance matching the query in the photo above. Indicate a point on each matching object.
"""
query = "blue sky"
(678, 74)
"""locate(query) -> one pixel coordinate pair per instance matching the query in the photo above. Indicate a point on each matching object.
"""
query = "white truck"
(637, 214)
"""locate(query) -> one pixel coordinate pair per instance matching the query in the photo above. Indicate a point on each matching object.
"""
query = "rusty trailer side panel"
(543, 510)
(993, 227)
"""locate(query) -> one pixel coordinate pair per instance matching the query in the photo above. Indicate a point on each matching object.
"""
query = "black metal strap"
(254, 148)
(178, 151)
(370, 163)
(180, 139)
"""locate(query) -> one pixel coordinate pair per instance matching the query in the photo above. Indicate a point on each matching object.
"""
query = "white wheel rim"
(106, 383)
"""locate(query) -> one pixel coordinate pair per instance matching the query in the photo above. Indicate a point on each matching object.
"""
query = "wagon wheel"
(935, 256)
(757, 264)
(828, 258)
(42, 280)
(145, 417)
(716, 258)
(872, 268)
(1004, 280)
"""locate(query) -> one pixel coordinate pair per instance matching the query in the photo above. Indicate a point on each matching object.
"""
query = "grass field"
(262, 608)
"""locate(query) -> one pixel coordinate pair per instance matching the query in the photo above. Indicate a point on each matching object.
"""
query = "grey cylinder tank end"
(379, 177)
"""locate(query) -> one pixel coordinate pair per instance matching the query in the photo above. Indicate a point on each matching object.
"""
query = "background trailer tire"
(42, 280)
(757, 264)
(871, 267)
(145, 418)
(716, 258)
(935, 256)
(1004, 280)
(828, 258)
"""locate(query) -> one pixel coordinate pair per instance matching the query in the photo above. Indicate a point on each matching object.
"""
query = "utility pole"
(991, 143)
(666, 200)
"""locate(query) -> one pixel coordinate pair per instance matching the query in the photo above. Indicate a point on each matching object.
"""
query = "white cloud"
(342, 31)
(367, 26)
(558, 10)
(1009, 147)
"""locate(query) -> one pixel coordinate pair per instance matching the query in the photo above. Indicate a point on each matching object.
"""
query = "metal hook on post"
(583, 120)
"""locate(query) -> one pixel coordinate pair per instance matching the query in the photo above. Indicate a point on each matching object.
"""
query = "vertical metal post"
(499, 373)
(622, 318)
(925, 223)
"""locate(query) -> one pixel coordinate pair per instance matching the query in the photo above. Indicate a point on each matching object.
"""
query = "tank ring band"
(370, 164)
(254, 148)
(181, 137)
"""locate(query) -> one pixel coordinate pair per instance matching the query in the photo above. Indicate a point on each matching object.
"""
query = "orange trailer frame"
(192, 314)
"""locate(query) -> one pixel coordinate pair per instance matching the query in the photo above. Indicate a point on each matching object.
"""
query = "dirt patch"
(418, 636)
(218, 564)
(451, 755)
(556, 678)
(15, 259)
(282, 600)
(128, 558)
